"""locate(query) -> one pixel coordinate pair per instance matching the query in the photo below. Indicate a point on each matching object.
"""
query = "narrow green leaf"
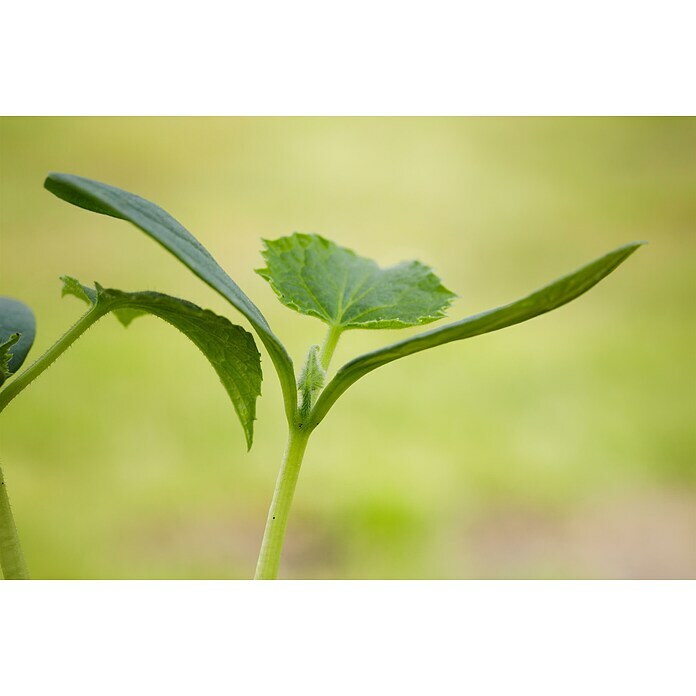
(158, 224)
(316, 277)
(229, 348)
(15, 318)
(548, 298)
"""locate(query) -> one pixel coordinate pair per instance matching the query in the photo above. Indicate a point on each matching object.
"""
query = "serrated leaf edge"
(370, 324)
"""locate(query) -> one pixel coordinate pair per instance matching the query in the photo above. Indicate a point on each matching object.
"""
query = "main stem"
(274, 533)
(272, 544)
(11, 556)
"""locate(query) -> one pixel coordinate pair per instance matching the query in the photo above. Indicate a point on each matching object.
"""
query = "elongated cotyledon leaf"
(548, 298)
(158, 224)
(229, 348)
(314, 276)
(17, 333)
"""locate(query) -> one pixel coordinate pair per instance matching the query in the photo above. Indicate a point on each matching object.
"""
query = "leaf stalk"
(24, 379)
(330, 343)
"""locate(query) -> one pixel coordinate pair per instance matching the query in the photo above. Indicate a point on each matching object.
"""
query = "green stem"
(272, 544)
(11, 556)
(274, 534)
(330, 342)
(23, 380)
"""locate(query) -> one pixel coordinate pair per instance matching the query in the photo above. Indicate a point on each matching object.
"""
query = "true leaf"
(311, 379)
(314, 276)
(548, 298)
(229, 348)
(6, 356)
(15, 318)
(72, 286)
(158, 224)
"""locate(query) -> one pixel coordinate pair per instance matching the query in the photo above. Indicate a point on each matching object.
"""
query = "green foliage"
(314, 276)
(158, 224)
(311, 380)
(229, 348)
(72, 286)
(548, 298)
(6, 356)
(17, 332)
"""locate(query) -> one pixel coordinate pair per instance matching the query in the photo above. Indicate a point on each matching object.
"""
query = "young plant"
(318, 278)
(230, 350)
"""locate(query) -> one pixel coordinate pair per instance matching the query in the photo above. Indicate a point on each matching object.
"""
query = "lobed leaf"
(158, 224)
(545, 300)
(229, 348)
(17, 333)
(314, 276)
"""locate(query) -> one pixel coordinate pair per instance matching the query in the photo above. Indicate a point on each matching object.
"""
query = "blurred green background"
(561, 448)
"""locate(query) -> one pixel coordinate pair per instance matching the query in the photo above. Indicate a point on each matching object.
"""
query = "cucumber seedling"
(315, 277)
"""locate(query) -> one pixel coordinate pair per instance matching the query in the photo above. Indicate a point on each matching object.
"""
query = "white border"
(358, 58)
(363, 57)
(475, 637)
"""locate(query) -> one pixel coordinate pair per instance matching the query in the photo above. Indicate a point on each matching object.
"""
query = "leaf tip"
(249, 437)
(54, 182)
(48, 181)
(627, 249)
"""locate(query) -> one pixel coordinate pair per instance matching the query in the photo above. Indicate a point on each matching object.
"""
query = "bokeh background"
(561, 448)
